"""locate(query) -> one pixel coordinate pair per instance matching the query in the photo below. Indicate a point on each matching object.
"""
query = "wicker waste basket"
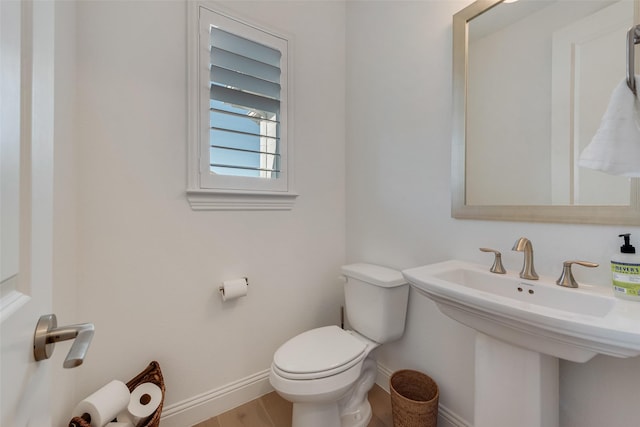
(414, 399)
(152, 374)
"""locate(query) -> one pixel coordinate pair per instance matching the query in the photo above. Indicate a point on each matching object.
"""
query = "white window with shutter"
(240, 152)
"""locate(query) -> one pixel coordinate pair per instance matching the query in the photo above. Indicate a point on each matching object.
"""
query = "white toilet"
(327, 372)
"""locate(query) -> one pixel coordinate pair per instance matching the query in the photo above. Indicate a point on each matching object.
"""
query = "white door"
(26, 160)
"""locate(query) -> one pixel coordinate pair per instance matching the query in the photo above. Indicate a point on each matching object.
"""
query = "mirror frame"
(612, 215)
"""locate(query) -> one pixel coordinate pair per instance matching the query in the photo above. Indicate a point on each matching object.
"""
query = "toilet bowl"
(327, 372)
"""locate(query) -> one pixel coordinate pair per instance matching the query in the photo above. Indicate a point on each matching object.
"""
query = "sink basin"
(568, 323)
(592, 303)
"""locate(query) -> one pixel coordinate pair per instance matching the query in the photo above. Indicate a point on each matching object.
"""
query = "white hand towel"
(615, 148)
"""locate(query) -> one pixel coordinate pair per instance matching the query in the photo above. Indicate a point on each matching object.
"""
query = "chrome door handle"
(47, 334)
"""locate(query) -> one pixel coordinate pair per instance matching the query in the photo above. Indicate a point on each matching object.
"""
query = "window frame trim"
(231, 192)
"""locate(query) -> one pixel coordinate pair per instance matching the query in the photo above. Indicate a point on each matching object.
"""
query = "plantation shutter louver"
(244, 106)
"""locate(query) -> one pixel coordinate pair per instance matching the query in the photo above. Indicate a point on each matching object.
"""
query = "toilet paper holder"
(221, 288)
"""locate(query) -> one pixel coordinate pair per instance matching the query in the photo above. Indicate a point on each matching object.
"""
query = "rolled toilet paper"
(103, 405)
(119, 424)
(144, 400)
(125, 417)
(232, 289)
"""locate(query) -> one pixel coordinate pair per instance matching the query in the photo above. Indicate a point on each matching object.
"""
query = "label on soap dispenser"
(626, 279)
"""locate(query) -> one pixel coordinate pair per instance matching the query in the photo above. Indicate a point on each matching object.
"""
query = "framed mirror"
(531, 81)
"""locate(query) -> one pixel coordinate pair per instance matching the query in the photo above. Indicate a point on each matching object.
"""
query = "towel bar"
(633, 38)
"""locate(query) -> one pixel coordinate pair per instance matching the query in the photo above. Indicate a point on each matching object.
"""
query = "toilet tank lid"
(374, 274)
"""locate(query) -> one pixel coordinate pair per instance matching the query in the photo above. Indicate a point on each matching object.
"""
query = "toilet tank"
(376, 301)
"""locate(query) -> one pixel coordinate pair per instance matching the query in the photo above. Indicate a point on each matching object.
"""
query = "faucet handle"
(497, 266)
(566, 278)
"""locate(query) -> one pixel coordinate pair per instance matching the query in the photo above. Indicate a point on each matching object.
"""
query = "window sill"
(220, 200)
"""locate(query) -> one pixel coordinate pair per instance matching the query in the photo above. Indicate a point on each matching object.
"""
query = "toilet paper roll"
(232, 289)
(125, 417)
(103, 405)
(119, 424)
(144, 400)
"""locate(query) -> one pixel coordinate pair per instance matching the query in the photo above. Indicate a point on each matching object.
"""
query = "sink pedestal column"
(514, 386)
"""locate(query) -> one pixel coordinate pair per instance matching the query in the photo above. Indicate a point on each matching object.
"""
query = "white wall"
(398, 208)
(147, 266)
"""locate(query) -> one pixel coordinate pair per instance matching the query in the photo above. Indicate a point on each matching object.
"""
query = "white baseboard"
(214, 402)
(446, 417)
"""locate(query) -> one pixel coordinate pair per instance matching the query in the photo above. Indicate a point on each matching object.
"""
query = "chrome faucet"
(47, 334)
(524, 245)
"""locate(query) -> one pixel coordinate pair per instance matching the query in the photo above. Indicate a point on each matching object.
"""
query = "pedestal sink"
(524, 326)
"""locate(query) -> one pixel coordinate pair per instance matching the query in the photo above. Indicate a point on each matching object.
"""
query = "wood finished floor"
(271, 410)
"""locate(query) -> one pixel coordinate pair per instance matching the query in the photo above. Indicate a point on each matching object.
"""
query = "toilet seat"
(318, 353)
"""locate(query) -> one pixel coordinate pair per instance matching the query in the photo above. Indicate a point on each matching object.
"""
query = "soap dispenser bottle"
(625, 271)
